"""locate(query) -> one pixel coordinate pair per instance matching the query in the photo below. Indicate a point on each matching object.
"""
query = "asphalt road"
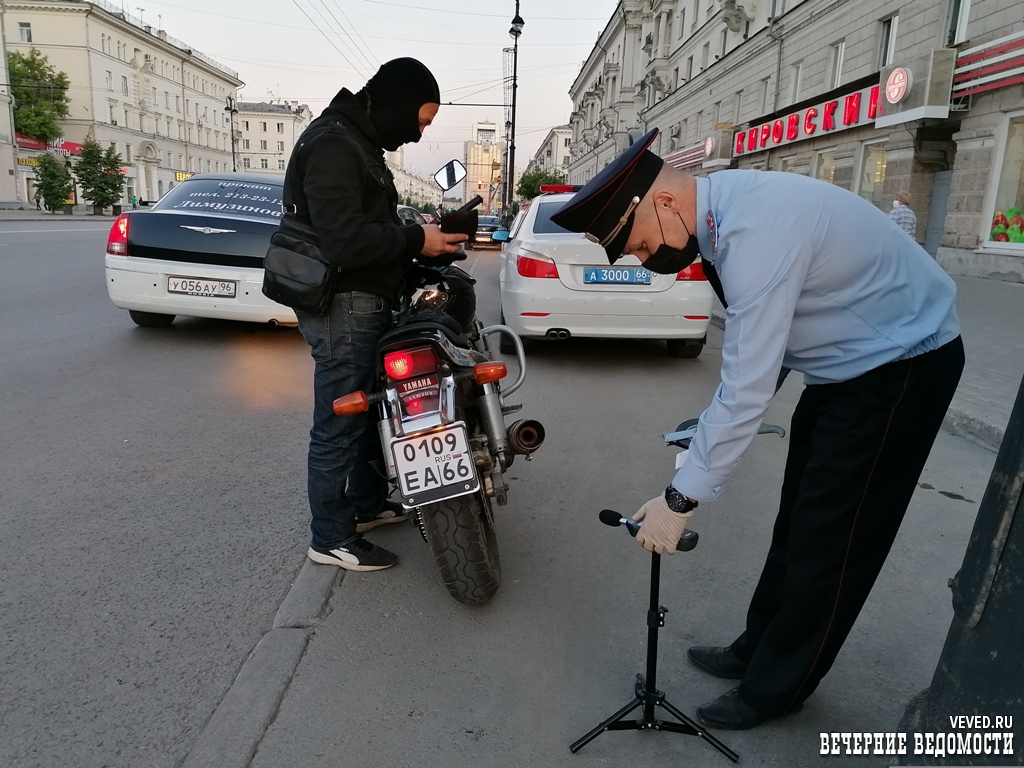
(152, 511)
(151, 508)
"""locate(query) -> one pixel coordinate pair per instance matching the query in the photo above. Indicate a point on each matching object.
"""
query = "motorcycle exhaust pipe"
(526, 436)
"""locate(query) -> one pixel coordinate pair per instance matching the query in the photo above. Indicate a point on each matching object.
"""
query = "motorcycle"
(441, 420)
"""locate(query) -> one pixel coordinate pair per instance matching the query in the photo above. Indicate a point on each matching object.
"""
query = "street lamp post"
(510, 173)
(232, 110)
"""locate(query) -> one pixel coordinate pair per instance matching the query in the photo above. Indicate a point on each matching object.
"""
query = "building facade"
(484, 158)
(266, 134)
(156, 100)
(414, 190)
(553, 154)
(877, 97)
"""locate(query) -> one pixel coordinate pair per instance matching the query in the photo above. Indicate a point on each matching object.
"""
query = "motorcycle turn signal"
(356, 402)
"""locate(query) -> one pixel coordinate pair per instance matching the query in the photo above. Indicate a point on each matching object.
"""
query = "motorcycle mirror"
(451, 175)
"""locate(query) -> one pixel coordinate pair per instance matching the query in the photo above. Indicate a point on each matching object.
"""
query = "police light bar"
(553, 188)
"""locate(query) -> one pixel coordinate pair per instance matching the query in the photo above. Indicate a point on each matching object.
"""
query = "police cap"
(604, 208)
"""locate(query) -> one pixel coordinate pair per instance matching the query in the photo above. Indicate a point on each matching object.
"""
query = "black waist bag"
(294, 274)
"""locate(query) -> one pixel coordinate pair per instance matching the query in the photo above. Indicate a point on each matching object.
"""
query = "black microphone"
(614, 519)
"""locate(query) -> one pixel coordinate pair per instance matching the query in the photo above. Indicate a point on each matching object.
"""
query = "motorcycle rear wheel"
(461, 536)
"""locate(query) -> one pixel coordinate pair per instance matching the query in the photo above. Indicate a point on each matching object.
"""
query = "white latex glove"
(662, 528)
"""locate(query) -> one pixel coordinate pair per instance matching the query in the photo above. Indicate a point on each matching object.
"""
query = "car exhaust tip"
(558, 333)
(526, 436)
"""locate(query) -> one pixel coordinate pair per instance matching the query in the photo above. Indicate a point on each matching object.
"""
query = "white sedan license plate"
(197, 286)
(435, 466)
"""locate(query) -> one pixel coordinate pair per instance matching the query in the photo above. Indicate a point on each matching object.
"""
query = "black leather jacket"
(337, 181)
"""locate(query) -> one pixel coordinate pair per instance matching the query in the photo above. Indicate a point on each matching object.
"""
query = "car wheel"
(687, 348)
(150, 319)
(505, 344)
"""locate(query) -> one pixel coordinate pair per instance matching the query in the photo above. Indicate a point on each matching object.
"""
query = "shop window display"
(1007, 222)
(872, 175)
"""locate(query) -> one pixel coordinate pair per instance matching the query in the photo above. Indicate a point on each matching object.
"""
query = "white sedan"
(556, 284)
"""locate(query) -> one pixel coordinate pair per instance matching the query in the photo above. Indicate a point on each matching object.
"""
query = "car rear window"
(490, 221)
(246, 199)
(542, 223)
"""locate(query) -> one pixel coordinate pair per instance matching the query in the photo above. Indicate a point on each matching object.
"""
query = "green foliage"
(99, 173)
(40, 95)
(53, 181)
(529, 184)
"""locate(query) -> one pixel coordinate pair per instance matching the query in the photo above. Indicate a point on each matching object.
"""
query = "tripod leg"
(578, 745)
(696, 729)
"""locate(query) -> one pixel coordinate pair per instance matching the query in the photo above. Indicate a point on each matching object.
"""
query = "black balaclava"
(393, 98)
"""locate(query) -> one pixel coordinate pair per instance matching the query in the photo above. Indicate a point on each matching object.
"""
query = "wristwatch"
(677, 502)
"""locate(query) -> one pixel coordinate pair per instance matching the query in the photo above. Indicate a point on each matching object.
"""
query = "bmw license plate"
(617, 275)
(197, 286)
(435, 465)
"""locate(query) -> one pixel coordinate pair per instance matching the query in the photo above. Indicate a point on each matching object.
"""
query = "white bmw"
(556, 284)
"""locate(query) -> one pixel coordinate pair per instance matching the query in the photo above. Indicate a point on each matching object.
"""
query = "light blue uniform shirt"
(817, 280)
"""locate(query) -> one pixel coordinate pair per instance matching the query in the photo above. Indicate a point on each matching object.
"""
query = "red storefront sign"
(61, 147)
(850, 111)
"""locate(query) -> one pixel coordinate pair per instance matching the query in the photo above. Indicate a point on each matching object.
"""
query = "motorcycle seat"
(423, 329)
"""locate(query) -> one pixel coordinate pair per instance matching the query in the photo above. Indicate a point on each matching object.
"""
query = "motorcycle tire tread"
(461, 537)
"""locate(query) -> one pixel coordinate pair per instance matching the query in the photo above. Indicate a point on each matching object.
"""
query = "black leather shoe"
(729, 712)
(720, 662)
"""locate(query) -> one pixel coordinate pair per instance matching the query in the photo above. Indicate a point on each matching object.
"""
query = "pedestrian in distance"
(38, 206)
(135, 203)
(338, 184)
(813, 281)
(903, 214)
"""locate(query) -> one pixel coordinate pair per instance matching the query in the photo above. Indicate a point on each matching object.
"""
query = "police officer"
(815, 280)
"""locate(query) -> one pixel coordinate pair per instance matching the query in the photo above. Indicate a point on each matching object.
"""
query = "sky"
(306, 50)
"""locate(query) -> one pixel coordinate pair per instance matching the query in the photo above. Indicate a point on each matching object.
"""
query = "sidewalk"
(81, 212)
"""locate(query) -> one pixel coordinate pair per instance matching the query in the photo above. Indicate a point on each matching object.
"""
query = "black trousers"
(856, 453)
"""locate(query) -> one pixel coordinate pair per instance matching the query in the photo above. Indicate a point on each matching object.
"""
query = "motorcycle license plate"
(435, 465)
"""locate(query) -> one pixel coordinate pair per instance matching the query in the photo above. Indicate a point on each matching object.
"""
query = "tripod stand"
(646, 693)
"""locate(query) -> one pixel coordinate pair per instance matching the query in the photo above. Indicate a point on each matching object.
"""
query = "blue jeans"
(341, 483)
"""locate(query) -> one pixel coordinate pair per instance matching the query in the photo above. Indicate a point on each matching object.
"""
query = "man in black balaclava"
(337, 182)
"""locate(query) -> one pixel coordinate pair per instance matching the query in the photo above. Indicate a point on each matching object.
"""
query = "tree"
(40, 95)
(53, 181)
(529, 183)
(99, 174)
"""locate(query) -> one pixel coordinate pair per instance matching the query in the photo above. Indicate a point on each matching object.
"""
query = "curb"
(235, 729)
(957, 422)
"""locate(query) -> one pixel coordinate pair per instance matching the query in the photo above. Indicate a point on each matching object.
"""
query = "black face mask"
(393, 98)
(667, 260)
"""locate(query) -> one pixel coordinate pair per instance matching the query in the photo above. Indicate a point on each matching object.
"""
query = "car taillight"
(410, 362)
(529, 267)
(117, 240)
(693, 272)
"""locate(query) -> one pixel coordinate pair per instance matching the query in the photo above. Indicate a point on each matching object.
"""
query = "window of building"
(263, 126)
(154, 97)
(127, 124)
(682, 22)
(835, 69)
(696, 11)
(25, 32)
(127, 153)
(711, 8)
(113, 117)
(263, 144)
(280, 165)
(1010, 190)
(956, 23)
(280, 146)
(167, 100)
(568, 141)
(778, 7)
(872, 174)
(766, 89)
(737, 104)
(705, 52)
(280, 127)
(110, 80)
(825, 166)
(689, 67)
(794, 82)
(245, 125)
(124, 85)
(245, 144)
(887, 47)
(723, 43)
(675, 78)
(177, 104)
(264, 163)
